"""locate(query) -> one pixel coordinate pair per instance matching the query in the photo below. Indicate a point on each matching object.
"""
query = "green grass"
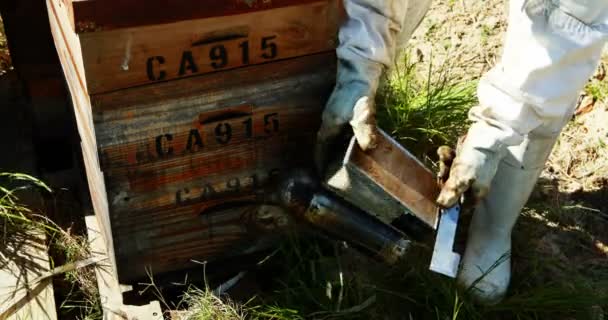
(322, 279)
(598, 89)
(18, 220)
(203, 305)
(314, 283)
(81, 304)
(423, 114)
(14, 216)
(310, 288)
(82, 300)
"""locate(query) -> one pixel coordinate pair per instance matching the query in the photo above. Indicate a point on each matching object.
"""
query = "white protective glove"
(551, 49)
(368, 43)
(477, 158)
(357, 82)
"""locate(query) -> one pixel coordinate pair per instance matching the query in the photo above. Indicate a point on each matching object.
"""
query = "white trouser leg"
(375, 29)
(551, 48)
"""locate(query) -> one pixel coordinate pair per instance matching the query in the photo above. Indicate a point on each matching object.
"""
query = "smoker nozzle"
(302, 194)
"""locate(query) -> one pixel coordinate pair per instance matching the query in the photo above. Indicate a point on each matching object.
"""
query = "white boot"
(486, 264)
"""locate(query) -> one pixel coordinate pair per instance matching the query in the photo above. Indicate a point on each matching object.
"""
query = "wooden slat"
(148, 100)
(97, 15)
(68, 49)
(221, 234)
(205, 177)
(25, 258)
(129, 57)
(110, 292)
(173, 136)
(230, 159)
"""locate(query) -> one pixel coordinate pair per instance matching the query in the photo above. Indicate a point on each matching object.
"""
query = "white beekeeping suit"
(551, 48)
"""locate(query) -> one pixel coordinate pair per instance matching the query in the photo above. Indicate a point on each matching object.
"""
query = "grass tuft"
(18, 220)
(14, 216)
(83, 297)
(423, 114)
(203, 304)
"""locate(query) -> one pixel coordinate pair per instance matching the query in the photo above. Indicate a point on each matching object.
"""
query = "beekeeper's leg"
(489, 243)
(550, 52)
(368, 43)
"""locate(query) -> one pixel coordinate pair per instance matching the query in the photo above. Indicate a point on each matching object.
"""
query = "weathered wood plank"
(191, 195)
(221, 162)
(177, 223)
(185, 160)
(225, 174)
(235, 226)
(174, 136)
(25, 258)
(151, 157)
(110, 291)
(69, 51)
(210, 88)
(165, 121)
(129, 57)
(98, 15)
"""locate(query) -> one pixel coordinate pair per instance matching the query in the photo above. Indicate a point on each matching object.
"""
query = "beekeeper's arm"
(368, 43)
(551, 49)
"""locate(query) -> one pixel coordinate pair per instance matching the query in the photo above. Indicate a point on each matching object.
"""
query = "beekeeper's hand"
(446, 158)
(352, 102)
(368, 43)
(369, 39)
(476, 160)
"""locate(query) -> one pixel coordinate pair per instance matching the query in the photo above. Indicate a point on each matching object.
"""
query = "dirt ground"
(467, 34)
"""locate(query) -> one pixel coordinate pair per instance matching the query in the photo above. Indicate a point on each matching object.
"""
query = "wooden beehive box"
(185, 112)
